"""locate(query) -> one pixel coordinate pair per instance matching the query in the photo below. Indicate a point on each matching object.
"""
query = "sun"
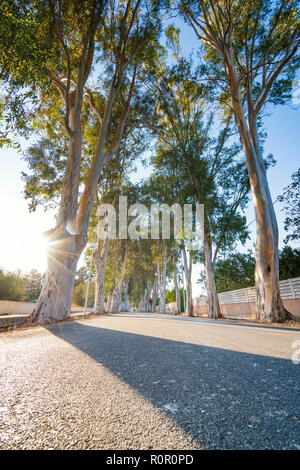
(22, 244)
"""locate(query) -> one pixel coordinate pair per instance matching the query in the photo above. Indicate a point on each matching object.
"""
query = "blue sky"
(21, 243)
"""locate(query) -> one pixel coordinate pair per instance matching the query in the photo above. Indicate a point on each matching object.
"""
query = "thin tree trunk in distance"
(154, 295)
(100, 258)
(212, 296)
(162, 286)
(115, 306)
(188, 282)
(125, 302)
(177, 291)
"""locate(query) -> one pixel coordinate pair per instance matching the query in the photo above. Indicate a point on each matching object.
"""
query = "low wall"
(242, 310)
(9, 307)
(293, 306)
(81, 309)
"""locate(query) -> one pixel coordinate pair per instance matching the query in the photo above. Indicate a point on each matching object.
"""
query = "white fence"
(289, 289)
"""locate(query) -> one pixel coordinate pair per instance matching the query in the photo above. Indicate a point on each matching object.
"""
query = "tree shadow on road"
(225, 399)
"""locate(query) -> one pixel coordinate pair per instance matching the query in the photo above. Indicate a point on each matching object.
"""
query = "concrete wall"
(242, 310)
(8, 307)
(293, 306)
(247, 309)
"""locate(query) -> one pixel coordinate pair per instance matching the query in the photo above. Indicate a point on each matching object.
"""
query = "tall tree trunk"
(269, 306)
(188, 282)
(125, 303)
(100, 258)
(114, 304)
(72, 224)
(212, 296)
(65, 243)
(108, 302)
(162, 286)
(177, 291)
(147, 298)
(154, 296)
(140, 306)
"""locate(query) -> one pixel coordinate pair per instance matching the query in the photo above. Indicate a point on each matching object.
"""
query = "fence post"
(292, 288)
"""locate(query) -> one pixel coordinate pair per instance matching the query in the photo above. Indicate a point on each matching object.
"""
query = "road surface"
(149, 381)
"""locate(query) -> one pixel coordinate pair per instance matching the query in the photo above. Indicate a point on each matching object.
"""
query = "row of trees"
(234, 272)
(95, 83)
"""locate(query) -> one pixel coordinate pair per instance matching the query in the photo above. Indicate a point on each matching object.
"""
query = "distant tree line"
(22, 287)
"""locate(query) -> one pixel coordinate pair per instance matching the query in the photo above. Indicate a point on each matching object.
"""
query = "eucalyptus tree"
(46, 160)
(108, 195)
(201, 162)
(251, 49)
(112, 184)
(75, 36)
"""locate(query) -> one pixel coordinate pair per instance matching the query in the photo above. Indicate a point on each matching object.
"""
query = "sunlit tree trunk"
(57, 291)
(212, 296)
(70, 236)
(65, 245)
(269, 306)
(100, 258)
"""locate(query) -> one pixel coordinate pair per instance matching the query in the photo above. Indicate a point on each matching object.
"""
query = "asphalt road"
(142, 381)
